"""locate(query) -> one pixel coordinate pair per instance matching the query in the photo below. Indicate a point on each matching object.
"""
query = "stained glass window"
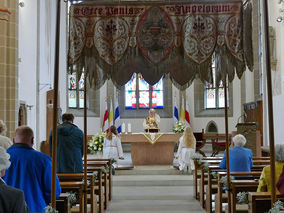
(139, 94)
(76, 91)
(214, 95)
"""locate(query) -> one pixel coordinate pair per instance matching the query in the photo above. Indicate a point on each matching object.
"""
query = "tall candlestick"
(123, 128)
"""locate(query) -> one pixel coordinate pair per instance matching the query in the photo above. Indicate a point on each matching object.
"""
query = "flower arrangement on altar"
(96, 143)
(179, 127)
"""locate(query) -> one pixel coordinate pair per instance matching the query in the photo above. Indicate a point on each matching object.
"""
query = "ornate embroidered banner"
(114, 40)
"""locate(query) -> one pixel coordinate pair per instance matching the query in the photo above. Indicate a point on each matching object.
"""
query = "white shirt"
(5, 142)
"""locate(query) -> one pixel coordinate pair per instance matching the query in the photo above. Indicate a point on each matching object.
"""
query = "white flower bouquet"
(96, 143)
(179, 127)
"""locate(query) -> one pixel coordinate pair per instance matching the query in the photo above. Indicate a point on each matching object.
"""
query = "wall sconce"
(30, 107)
(279, 18)
(21, 4)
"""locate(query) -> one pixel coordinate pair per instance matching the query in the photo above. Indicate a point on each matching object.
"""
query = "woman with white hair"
(5, 142)
(186, 150)
(12, 200)
(240, 157)
(264, 183)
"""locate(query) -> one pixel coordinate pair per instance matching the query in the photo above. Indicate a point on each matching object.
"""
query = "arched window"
(140, 95)
(214, 97)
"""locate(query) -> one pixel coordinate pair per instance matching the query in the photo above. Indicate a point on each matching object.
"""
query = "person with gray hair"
(240, 157)
(12, 200)
(264, 183)
(5, 142)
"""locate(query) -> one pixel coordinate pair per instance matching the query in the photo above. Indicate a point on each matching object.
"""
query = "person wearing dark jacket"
(70, 141)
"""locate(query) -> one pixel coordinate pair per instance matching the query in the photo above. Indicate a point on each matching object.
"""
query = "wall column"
(9, 64)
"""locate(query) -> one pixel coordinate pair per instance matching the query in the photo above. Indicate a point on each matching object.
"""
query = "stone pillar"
(9, 64)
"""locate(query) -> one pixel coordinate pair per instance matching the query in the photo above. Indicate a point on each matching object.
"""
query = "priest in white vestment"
(152, 121)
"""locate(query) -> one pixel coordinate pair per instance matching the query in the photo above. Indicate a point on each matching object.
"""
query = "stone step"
(152, 180)
(149, 170)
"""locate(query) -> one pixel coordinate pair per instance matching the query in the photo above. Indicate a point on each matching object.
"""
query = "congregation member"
(5, 142)
(240, 157)
(280, 183)
(30, 171)
(112, 146)
(186, 150)
(152, 121)
(12, 200)
(264, 182)
(70, 143)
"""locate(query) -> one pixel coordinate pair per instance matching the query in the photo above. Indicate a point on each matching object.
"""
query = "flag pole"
(270, 103)
(55, 103)
(85, 146)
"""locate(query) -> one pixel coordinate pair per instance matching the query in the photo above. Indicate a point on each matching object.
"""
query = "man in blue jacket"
(70, 141)
(30, 171)
(240, 157)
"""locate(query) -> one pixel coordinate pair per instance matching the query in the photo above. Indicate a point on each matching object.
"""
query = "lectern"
(249, 130)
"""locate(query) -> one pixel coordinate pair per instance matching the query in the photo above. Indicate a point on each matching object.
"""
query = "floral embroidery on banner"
(111, 39)
(199, 37)
(233, 37)
(77, 38)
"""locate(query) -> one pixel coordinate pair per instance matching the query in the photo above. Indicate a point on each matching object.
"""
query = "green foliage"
(49, 209)
(179, 127)
(277, 207)
(96, 143)
(242, 198)
(224, 180)
(72, 198)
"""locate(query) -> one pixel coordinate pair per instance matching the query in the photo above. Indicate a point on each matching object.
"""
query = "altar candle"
(123, 128)
(129, 127)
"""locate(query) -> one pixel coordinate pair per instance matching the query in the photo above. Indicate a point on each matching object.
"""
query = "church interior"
(215, 66)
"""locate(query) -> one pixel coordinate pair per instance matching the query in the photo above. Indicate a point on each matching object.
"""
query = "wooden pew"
(63, 204)
(241, 186)
(260, 202)
(237, 175)
(197, 174)
(104, 182)
(109, 175)
(67, 177)
(78, 187)
(211, 182)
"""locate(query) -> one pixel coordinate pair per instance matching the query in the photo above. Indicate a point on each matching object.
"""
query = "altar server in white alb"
(112, 145)
(186, 150)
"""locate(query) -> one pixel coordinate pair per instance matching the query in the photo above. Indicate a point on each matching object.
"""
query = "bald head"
(24, 134)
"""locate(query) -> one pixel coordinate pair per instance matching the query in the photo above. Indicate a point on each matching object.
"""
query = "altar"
(151, 148)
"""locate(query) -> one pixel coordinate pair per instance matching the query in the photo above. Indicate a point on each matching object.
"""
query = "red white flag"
(187, 119)
(105, 123)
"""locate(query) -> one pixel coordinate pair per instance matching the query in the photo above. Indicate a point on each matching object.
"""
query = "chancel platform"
(151, 148)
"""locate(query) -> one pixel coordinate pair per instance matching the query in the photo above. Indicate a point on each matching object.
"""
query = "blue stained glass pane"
(130, 99)
(158, 99)
(159, 85)
(144, 99)
(72, 81)
(81, 99)
(143, 85)
(82, 82)
(72, 99)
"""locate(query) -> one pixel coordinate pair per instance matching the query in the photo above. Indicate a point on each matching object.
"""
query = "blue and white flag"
(176, 118)
(117, 120)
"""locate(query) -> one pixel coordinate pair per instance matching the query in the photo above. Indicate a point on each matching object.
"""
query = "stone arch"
(212, 127)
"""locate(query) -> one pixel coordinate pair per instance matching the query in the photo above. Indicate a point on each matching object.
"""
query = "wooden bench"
(241, 186)
(90, 162)
(260, 202)
(63, 204)
(67, 177)
(222, 197)
(78, 187)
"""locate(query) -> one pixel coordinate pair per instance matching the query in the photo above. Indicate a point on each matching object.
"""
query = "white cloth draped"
(185, 156)
(112, 148)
